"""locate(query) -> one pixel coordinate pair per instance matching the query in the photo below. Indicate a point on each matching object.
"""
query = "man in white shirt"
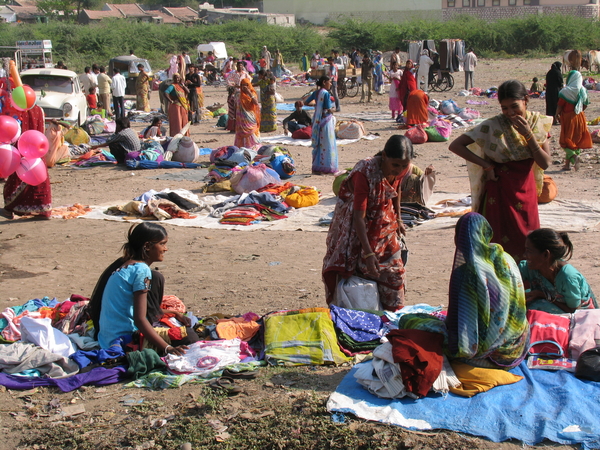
(469, 62)
(186, 58)
(87, 80)
(118, 86)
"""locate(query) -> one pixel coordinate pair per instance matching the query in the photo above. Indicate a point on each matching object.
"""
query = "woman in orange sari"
(176, 95)
(416, 107)
(247, 116)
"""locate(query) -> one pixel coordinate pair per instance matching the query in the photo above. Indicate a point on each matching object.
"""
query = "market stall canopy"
(218, 49)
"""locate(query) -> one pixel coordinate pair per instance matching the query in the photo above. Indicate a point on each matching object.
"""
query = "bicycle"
(351, 87)
(446, 83)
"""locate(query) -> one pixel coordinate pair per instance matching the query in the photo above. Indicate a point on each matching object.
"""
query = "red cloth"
(91, 101)
(544, 326)
(408, 83)
(574, 133)
(361, 191)
(416, 107)
(510, 206)
(420, 357)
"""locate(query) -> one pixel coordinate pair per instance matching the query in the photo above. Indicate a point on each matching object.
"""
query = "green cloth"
(144, 362)
(570, 154)
(303, 337)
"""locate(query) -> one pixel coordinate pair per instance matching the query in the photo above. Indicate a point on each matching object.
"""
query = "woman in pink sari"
(247, 116)
(394, 75)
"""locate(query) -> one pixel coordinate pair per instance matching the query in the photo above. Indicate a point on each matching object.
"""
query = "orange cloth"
(172, 303)
(477, 379)
(416, 107)
(237, 327)
(574, 133)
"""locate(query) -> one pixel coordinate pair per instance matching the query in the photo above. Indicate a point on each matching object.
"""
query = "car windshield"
(49, 83)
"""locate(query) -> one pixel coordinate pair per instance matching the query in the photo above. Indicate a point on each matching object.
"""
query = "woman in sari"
(142, 90)
(416, 107)
(506, 156)
(324, 154)
(177, 97)
(364, 237)
(574, 133)
(407, 84)
(277, 64)
(394, 75)
(486, 322)
(554, 83)
(378, 72)
(20, 198)
(417, 185)
(247, 117)
(268, 110)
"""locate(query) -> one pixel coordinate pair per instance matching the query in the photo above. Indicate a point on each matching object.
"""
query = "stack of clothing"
(357, 331)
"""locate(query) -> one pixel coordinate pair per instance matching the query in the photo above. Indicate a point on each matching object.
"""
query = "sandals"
(225, 384)
(249, 375)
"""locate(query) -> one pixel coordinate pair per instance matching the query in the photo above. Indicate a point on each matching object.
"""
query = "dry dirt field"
(229, 272)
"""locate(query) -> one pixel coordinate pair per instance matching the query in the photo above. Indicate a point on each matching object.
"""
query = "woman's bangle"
(368, 255)
(166, 350)
(489, 168)
(530, 137)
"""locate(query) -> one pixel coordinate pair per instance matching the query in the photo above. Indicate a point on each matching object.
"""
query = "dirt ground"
(230, 271)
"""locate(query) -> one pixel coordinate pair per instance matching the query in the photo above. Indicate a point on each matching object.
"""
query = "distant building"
(134, 11)
(22, 13)
(209, 14)
(320, 12)
(492, 10)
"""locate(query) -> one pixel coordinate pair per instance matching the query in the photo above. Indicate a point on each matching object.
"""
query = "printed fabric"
(486, 322)
(358, 325)
(247, 118)
(268, 111)
(324, 154)
(344, 253)
(205, 357)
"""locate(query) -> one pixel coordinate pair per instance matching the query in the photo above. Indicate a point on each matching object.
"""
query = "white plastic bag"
(357, 293)
(41, 333)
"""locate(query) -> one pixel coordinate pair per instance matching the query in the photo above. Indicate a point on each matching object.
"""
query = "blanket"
(544, 405)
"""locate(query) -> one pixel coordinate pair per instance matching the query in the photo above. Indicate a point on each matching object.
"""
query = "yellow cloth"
(237, 327)
(302, 198)
(476, 379)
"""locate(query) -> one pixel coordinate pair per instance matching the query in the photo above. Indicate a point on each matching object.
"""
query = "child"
(554, 286)
(91, 99)
(536, 86)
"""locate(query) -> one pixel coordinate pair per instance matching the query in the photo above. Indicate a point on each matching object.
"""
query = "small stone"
(186, 446)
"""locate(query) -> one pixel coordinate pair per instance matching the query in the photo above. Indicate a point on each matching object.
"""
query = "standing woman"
(324, 154)
(247, 116)
(142, 90)
(277, 64)
(364, 237)
(192, 82)
(408, 83)
(177, 97)
(506, 156)
(554, 83)
(574, 134)
(268, 106)
(394, 75)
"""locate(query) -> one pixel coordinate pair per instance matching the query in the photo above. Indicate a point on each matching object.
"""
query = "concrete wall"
(492, 13)
(319, 11)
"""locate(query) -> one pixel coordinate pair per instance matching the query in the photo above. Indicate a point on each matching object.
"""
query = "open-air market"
(250, 245)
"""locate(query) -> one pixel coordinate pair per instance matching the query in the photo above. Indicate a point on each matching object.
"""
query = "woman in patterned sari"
(142, 89)
(247, 117)
(506, 156)
(486, 322)
(177, 96)
(324, 154)
(268, 105)
(364, 237)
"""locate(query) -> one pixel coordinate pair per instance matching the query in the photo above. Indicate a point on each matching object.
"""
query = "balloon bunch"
(32, 145)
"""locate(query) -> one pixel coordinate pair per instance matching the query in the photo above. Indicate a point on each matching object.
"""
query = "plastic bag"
(439, 131)
(416, 135)
(357, 293)
(588, 365)
(350, 129)
(254, 178)
(449, 107)
(469, 114)
(549, 190)
(94, 126)
(77, 136)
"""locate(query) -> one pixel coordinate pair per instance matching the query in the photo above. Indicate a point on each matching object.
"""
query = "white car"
(58, 93)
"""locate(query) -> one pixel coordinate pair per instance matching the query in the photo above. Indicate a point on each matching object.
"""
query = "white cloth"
(205, 357)
(118, 85)
(40, 332)
(87, 81)
(425, 62)
(469, 62)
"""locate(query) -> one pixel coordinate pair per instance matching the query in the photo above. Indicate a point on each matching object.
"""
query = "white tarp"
(218, 49)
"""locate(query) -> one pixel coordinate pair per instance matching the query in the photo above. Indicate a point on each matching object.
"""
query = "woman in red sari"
(21, 198)
(364, 237)
(506, 156)
(408, 83)
(416, 107)
(177, 96)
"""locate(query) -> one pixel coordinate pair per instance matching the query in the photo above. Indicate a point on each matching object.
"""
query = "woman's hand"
(401, 227)
(177, 351)
(490, 172)
(534, 295)
(521, 126)
(183, 319)
(430, 169)
(372, 266)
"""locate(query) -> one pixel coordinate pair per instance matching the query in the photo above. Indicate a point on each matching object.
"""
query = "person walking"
(118, 89)
(366, 75)
(333, 75)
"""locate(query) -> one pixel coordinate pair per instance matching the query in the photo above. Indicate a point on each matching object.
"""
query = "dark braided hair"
(556, 242)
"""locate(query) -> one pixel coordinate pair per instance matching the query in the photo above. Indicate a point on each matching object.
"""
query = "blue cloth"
(145, 164)
(266, 199)
(116, 316)
(291, 107)
(31, 305)
(541, 406)
(359, 325)
(85, 358)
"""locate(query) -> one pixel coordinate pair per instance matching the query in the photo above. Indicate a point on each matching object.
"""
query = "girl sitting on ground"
(154, 130)
(128, 296)
(554, 286)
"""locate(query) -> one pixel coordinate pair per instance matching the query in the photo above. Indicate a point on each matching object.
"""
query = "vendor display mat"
(544, 405)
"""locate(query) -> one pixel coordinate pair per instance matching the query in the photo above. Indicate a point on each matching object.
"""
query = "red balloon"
(10, 158)
(10, 130)
(32, 171)
(33, 144)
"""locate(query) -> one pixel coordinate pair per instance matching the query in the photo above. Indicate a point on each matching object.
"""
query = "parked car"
(58, 93)
(128, 67)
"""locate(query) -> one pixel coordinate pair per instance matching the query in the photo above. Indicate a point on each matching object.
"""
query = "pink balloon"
(10, 159)
(32, 171)
(33, 144)
(10, 130)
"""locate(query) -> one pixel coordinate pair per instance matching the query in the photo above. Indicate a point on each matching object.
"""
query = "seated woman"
(154, 130)
(364, 237)
(128, 296)
(417, 186)
(554, 286)
(486, 321)
(416, 108)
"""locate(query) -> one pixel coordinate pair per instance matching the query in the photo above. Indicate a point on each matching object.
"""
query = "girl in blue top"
(128, 294)
(554, 286)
